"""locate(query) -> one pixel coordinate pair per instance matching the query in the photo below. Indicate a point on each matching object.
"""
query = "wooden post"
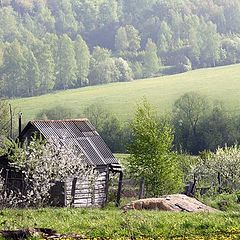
(107, 186)
(65, 193)
(119, 189)
(142, 189)
(11, 121)
(19, 124)
(193, 188)
(219, 182)
(73, 191)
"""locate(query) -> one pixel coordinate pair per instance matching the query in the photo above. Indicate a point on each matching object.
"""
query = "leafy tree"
(137, 69)
(210, 49)
(103, 67)
(151, 62)
(133, 38)
(124, 72)
(100, 54)
(51, 40)
(150, 152)
(66, 66)
(13, 69)
(188, 113)
(108, 12)
(134, 10)
(47, 68)
(83, 61)
(103, 72)
(8, 24)
(87, 13)
(32, 75)
(121, 40)
(192, 29)
(65, 20)
(164, 38)
(46, 19)
(217, 129)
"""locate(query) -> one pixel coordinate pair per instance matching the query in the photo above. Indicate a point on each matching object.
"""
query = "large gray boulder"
(175, 203)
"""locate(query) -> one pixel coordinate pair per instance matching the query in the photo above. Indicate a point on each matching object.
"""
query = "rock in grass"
(174, 203)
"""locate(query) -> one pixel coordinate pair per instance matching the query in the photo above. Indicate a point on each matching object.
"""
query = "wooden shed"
(82, 134)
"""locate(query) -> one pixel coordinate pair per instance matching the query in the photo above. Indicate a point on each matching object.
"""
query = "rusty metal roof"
(79, 133)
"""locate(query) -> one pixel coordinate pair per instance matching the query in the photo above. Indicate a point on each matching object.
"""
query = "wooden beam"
(119, 188)
(106, 185)
(73, 191)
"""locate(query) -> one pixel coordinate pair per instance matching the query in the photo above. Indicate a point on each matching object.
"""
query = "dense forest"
(47, 45)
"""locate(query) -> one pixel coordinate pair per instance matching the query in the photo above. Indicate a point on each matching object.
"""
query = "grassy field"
(116, 224)
(222, 83)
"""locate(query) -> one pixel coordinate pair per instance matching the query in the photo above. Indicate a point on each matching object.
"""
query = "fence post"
(142, 189)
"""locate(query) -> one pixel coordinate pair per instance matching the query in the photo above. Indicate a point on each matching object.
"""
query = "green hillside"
(222, 83)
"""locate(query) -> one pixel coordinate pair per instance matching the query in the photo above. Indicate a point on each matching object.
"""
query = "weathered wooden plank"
(86, 187)
(86, 196)
(77, 193)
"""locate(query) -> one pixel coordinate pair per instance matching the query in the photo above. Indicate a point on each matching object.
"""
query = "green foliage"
(66, 66)
(188, 112)
(150, 152)
(133, 37)
(56, 113)
(4, 124)
(124, 72)
(164, 37)
(188, 35)
(108, 126)
(47, 68)
(151, 62)
(13, 69)
(82, 61)
(121, 40)
(202, 125)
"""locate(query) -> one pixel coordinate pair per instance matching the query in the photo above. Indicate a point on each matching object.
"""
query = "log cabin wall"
(86, 193)
(78, 192)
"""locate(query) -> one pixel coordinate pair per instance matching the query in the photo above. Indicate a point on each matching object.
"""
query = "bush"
(56, 113)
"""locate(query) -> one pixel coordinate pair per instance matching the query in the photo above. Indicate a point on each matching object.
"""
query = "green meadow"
(221, 83)
(116, 224)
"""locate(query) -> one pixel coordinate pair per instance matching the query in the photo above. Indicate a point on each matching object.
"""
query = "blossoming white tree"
(43, 164)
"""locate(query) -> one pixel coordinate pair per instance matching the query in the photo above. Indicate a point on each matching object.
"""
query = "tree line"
(60, 44)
